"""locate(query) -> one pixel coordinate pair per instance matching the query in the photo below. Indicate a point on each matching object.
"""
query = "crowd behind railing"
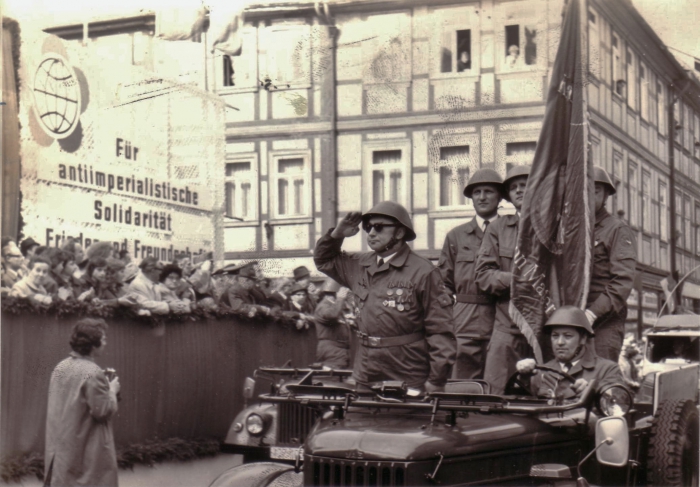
(106, 278)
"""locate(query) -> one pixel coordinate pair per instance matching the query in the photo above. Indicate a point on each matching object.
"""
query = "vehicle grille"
(334, 472)
(294, 421)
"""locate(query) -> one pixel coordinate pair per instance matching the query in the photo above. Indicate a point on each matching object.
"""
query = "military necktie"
(380, 263)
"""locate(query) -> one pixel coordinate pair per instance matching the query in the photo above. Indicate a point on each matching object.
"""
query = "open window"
(455, 42)
(288, 56)
(238, 73)
(618, 80)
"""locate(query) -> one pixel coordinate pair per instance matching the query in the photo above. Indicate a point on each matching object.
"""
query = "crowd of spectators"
(105, 277)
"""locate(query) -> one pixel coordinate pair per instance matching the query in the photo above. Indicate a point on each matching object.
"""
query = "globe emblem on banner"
(56, 97)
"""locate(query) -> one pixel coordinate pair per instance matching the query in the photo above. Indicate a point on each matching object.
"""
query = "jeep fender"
(263, 474)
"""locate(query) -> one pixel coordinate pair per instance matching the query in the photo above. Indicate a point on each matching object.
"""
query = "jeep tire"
(673, 445)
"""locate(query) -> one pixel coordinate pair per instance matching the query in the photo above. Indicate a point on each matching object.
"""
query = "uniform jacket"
(457, 265)
(148, 295)
(614, 263)
(406, 295)
(605, 372)
(79, 436)
(493, 266)
(329, 321)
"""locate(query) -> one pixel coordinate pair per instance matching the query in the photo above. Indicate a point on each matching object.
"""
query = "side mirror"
(612, 438)
(248, 388)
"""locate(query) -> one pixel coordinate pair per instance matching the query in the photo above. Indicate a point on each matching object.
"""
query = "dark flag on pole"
(552, 262)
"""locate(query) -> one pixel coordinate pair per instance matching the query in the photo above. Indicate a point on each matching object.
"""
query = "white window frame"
(441, 17)
(617, 63)
(438, 140)
(594, 54)
(644, 91)
(368, 166)
(249, 60)
(274, 38)
(252, 158)
(661, 109)
(306, 175)
(632, 80)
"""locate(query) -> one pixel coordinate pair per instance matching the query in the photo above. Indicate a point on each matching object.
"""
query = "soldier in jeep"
(404, 315)
(575, 363)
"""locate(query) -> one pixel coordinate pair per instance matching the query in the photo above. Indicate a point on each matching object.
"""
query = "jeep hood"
(410, 437)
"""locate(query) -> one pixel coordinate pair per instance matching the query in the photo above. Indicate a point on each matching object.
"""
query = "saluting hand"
(348, 226)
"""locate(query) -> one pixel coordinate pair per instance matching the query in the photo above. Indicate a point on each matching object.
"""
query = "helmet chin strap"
(390, 245)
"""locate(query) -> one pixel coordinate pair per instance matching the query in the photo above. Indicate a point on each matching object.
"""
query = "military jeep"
(389, 435)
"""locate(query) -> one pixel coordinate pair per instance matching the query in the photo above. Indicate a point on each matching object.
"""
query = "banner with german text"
(551, 266)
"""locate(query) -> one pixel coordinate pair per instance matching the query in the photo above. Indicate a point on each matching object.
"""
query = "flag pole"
(583, 61)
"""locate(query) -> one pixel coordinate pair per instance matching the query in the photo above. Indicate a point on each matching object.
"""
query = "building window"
(241, 188)
(456, 51)
(661, 107)
(239, 73)
(454, 173)
(522, 150)
(631, 81)
(697, 228)
(288, 56)
(386, 166)
(696, 141)
(663, 212)
(687, 224)
(679, 219)
(643, 92)
(593, 45)
(663, 257)
(646, 202)
(633, 196)
(520, 46)
(291, 185)
(387, 176)
(617, 79)
(620, 202)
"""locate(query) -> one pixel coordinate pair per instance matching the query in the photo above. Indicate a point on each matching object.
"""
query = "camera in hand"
(111, 375)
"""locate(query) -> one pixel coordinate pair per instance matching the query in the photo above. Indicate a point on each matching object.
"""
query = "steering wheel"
(516, 387)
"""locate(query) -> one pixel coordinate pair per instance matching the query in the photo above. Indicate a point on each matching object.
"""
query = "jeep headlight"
(614, 400)
(256, 424)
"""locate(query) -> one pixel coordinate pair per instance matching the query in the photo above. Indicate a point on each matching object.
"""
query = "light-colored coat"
(79, 437)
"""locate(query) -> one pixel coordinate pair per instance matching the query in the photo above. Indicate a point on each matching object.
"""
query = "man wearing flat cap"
(404, 310)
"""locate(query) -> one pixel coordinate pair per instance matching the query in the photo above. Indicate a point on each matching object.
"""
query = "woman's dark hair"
(38, 259)
(87, 334)
(170, 269)
(56, 256)
(95, 263)
(122, 253)
(69, 246)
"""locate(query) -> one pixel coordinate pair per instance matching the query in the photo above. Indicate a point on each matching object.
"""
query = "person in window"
(332, 333)
(570, 334)
(404, 315)
(513, 57)
(612, 275)
(31, 286)
(493, 274)
(82, 401)
(474, 311)
(463, 61)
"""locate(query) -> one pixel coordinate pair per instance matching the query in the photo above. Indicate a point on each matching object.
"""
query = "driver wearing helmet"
(404, 311)
(570, 333)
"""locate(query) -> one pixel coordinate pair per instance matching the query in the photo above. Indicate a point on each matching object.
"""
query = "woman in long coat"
(82, 400)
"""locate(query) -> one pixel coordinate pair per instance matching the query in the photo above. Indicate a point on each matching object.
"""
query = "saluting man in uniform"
(493, 276)
(474, 311)
(404, 310)
(612, 276)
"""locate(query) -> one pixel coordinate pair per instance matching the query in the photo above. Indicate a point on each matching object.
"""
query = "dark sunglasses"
(377, 226)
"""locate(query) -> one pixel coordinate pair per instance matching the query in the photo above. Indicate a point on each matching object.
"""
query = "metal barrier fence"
(183, 379)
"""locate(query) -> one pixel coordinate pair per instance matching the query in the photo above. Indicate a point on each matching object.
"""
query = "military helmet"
(330, 286)
(395, 211)
(515, 172)
(484, 176)
(569, 316)
(600, 175)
